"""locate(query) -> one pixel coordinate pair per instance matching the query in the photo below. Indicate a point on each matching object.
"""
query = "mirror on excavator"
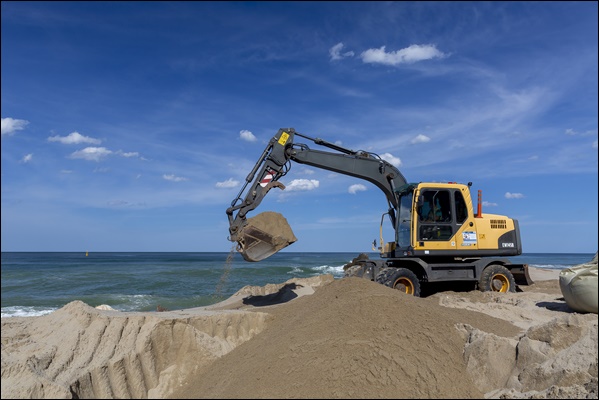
(263, 235)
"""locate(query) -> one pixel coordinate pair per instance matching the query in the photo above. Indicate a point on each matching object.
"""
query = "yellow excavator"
(439, 236)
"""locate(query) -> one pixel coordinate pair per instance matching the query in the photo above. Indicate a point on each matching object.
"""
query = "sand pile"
(352, 338)
(554, 356)
(358, 339)
(311, 338)
(82, 352)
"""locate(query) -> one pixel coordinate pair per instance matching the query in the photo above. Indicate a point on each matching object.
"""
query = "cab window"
(435, 216)
(404, 221)
(461, 210)
(436, 206)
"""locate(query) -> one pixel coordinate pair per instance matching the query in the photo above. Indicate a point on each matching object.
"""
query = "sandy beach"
(315, 337)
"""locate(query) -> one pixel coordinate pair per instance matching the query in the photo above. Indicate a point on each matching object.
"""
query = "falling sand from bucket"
(226, 270)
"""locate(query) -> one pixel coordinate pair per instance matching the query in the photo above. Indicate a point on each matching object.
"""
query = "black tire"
(401, 279)
(497, 278)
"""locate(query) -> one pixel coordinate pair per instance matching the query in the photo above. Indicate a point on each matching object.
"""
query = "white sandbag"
(579, 287)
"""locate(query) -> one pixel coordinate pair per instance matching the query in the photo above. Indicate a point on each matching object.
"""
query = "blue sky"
(130, 126)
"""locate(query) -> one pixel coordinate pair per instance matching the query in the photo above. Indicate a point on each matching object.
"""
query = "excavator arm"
(267, 233)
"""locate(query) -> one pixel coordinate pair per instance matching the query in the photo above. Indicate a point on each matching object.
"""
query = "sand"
(312, 338)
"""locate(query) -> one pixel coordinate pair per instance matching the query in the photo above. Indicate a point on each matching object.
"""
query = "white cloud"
(297, 185)
(408, 55)
(353, 189)
(595, 145)
(489, 204)
(592, 132)
(128, 154)
(391, 159)
(27, 158)
(509, 195)
(117, 203)
(335, 52)
(11, 125)
(91, 153)
(420, 139)
(97, 153)
(74, 138)
(123, 203)
(229, 183)
(247, 136)
(174, 178)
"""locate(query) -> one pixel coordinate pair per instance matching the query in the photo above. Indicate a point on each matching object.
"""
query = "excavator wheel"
(496, 278)
(401, 279)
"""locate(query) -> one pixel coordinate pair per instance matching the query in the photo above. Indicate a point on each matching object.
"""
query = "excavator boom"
(267, 233)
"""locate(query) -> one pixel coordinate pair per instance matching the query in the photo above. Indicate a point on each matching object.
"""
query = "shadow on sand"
(283, 295)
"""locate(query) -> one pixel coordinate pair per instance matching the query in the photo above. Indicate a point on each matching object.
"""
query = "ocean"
(37, 283)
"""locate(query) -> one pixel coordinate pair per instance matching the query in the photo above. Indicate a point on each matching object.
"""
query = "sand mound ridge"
(82, 352)
(352, 338)
(348, 338)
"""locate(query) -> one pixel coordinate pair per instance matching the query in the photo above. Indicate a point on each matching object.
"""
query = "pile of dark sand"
(351, 339)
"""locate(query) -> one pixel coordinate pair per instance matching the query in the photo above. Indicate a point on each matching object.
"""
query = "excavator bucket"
(264, 235)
